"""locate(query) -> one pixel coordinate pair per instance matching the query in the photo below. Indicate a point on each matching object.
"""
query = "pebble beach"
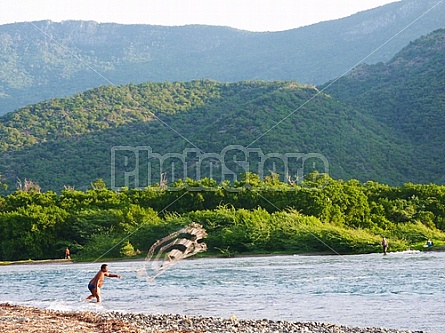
(14, 318)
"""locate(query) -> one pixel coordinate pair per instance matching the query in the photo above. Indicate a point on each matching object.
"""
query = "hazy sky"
(253, 15)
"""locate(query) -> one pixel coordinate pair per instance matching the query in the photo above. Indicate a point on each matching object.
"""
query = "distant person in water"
(97, 281)
(67, 253)
(384, 246)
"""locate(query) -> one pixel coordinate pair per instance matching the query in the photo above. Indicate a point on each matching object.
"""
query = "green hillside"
(43, 60)
(70, 141)
(407, 93)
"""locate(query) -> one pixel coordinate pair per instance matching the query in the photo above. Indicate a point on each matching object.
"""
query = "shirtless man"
(97, 281)
(67, 253)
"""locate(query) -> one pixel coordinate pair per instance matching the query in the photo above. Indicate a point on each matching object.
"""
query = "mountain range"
(42, 60)
(381, 122)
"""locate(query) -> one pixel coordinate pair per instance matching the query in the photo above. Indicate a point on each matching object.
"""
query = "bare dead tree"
(292, 180)
(163, 181)
(28, 186)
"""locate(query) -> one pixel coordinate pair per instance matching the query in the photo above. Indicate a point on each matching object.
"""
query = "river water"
(404, 290)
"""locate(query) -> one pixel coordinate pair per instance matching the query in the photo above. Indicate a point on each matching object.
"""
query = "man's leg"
(94, 294)
(98, 295)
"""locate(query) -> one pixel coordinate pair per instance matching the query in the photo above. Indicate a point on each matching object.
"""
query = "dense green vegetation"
(42, 60)
(407, 94)
(252, 216)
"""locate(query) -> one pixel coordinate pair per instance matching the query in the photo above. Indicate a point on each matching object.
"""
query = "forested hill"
(408, 94)
(70, 141)
(42, 60)
(382, 122)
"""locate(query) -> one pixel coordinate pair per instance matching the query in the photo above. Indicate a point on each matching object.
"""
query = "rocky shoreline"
(14, 318)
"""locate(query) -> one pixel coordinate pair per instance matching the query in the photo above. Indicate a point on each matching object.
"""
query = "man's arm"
(113, 275)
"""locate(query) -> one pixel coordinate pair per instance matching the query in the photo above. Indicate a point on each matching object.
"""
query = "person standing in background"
(67, 253)
(385, 246)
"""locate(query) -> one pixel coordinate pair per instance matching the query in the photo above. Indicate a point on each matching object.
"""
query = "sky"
(252, 15)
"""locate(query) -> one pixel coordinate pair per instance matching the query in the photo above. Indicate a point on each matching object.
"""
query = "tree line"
(252, 215)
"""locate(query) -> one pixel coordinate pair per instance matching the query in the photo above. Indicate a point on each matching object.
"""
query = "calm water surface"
(400, 290)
